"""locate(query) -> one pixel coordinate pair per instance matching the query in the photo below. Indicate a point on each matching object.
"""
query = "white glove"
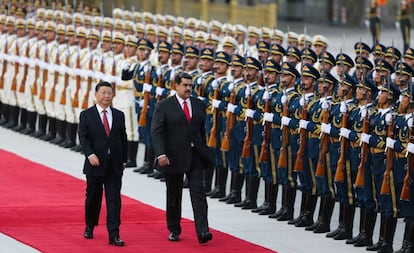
(172, 92)
(247, 92)
(410, 148)
(363, 113)
(303, 124)
(126, 65)
(159, 91)
(159, 71)
(146, 87)
(216, 103)
(390, 142)
(268, 116)
(410, 122)
(215, 84)
(388, 118)
(201, 98)
(326, 128)
(365, 138)
(400, 98)
(285, 121)
(344, 132)
(231, 108)
(51, 68)
(343, 108)
(266, 95)
(325, 105)
(141, 103)
(302, 101)
(231, 86)
(283, 99)
(249, 113)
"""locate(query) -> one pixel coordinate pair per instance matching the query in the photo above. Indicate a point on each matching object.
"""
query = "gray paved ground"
(243, 224)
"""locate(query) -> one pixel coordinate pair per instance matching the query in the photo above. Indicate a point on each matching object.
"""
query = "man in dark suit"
(180, 147)
(103, 139)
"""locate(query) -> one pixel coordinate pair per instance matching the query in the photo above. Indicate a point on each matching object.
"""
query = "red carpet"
(44, 209)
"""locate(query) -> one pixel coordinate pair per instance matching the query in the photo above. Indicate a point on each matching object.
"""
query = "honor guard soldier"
(409, 57)
(305, 41)
(3, 39)
(290, 138)
(176, 55)
(326, 61)
(362, 49)
(191, 57)
(392, 55)
(269, 151)
(306, 157)
(308, 56)
(252, 38)
(70, 82)
(277, 52)
(327, 153)
(320, 45)
(293, 55)
(26, 90)
(403, 75)
(253, 133)
(202, 88)
(233, 137)
(374, 21)
(292, 39)
(358, 116)
(363, 66)
(21, 55)
(383, 72)
(8, 73)
(403, 148)
(200, 40)
(381, 121)
(188, 36)
(229, 45)
(344, 64)
(144, 76)
(213, 42)
(241, 33)
(163, 70)
(124, 99)
(343, 176)
(220, 99)
(278, 37)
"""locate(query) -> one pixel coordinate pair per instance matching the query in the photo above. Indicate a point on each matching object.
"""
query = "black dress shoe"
(205, 237)
(174, 237)
(88, 234)
(116, 241)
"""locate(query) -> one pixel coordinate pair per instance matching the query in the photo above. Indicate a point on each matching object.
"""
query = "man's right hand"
(163, 161)
(93, 160)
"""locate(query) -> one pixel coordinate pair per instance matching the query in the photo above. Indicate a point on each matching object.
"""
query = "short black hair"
(103, 84)
(180, 76)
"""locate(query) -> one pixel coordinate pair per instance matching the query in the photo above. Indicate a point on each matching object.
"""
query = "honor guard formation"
(331, 126)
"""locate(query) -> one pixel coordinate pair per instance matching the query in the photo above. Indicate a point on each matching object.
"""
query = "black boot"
(346, 233)
(51, 134)
(148, 163)
(5, 114)
(31, 123)
(272, 196)
(302, 210)
(60, 132)
(221, 179)
(341, 226)
(71, 130)
(362, 217)
(377, 246)
(325, 225)
(225, 198)
(41, 131)
(132, 154)
(266, 202)
(283, 207)
(369, 224)
(407, 235)
(23, 121)
(13, 117)
(207, 179)
(386, 246)
(290, 204)
(251, 202)
(235, 191)
(145, 165)
(320, 215)
(310, 205)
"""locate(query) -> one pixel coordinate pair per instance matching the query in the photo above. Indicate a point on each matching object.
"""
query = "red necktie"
(186, 112)
(106, 123)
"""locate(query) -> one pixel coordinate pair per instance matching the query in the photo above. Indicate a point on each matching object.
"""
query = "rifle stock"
(408, 179)
(225, 143)
(249, 129)
(340, 168)
(89, 82)
(37, 69)
(264, 150)
(360, 178)
(4, 70)
(143, 116)
(42, 94)
(16, 70)
(298, 167)
(385, 185)
(282, 161)
(321, 167)
(55, 79)
(75, 101)
(212, 140)
(159, 84)
(22, 87)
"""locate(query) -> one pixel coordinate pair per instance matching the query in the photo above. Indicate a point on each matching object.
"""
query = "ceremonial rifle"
(249, 122)
(360, 177)
(264, 150)
(16, 68)
(89, 81)
(55, 77)
(22, 87)
(408, 179)
(75, 101)
(65, 77)
(225, 143)
(4, 69)
(42, 94)
(283, 153)
(143, 116)
(212, 140)
(37, 69)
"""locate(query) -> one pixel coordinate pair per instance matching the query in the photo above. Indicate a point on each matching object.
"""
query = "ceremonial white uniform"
(8, 95)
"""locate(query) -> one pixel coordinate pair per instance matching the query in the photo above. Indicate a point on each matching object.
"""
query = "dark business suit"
(182, 143)
(112, 153)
